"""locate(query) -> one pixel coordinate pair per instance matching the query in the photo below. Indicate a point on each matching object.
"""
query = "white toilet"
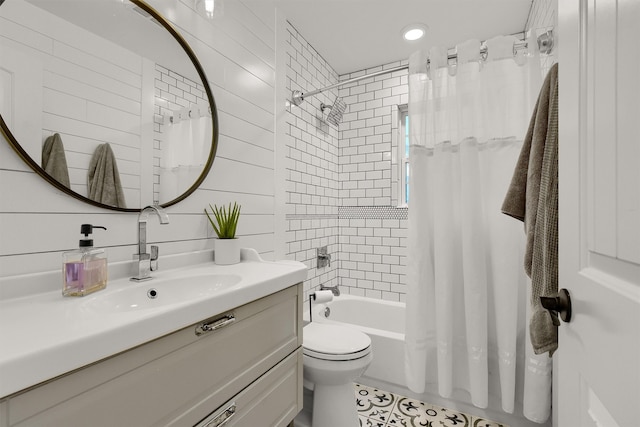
(334, 356)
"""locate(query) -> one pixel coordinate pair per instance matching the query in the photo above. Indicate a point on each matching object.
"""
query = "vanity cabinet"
(244, 365)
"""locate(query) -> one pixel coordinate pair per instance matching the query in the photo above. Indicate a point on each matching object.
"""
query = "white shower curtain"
(185, 150)
(466, 284)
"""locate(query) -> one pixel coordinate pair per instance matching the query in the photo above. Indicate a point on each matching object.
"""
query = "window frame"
(404, 166)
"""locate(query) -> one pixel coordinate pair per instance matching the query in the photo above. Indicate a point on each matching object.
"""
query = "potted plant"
(227, 246)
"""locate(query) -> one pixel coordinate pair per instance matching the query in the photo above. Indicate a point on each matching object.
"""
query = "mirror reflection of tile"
(378, 408)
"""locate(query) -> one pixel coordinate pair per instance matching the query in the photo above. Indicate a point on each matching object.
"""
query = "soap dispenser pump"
(84, 270)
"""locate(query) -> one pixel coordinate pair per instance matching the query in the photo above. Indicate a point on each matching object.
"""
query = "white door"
(597, 372)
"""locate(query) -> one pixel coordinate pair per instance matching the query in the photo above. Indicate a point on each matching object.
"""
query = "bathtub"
(383, 321)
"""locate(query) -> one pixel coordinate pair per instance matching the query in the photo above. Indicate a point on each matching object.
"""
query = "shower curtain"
(467, 289)
(185, 150)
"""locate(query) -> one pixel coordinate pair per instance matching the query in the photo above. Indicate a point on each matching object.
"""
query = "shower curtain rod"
(545, 45)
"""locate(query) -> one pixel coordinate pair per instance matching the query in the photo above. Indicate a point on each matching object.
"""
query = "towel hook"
(545, 42)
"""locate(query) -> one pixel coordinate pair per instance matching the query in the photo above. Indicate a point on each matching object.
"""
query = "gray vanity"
(224, 353)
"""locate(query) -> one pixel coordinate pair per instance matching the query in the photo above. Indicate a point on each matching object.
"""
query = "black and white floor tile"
(377, 408)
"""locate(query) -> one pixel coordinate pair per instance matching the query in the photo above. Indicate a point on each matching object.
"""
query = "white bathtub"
(383, 321)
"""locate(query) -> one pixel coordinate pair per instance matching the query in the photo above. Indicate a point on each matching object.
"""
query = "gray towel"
(532, 197)
(54, 161)
(103, 178)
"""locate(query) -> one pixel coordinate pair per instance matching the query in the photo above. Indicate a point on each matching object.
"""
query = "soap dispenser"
(84, 270)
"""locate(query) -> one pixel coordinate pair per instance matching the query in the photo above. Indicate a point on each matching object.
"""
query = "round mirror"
(105, 100)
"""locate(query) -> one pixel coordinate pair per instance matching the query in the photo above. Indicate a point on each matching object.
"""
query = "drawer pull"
(223, 418)
(214, 325)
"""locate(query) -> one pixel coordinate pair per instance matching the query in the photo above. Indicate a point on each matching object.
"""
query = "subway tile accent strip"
(372, 212)
(358, 212)
(312, 216)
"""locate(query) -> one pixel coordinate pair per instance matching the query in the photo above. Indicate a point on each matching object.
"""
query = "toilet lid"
(334, 342)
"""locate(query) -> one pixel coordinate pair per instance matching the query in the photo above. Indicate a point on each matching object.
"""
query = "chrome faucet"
(147, 262)
(334, 289)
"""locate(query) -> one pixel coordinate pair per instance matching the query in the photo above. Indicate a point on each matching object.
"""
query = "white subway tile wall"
(373, 251)
(366, 136)
(312, 165)
(373, 231)
(339, 187)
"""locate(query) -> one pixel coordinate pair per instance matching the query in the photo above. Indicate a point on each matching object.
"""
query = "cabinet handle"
(223, 418)
(214, 325)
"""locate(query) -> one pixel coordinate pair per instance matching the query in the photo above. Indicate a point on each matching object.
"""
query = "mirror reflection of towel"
(54, 161)
(103, 178)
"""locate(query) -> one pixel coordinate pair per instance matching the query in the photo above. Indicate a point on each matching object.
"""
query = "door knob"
(559, 304)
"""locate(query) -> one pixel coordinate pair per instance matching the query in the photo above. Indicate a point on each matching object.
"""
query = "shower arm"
(545, 46)
(298, 97)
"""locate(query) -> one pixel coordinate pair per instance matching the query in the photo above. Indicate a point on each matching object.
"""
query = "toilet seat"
(333, 342)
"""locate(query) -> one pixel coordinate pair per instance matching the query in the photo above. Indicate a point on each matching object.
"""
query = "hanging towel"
(532, 197)
(103, 178)
(54, 161)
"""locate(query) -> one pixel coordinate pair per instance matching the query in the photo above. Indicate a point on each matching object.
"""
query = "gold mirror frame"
(214, 117)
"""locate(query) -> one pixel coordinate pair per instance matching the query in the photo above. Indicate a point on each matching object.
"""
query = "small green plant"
(226, 219)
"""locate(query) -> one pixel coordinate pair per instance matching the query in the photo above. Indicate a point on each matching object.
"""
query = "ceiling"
(352, 35)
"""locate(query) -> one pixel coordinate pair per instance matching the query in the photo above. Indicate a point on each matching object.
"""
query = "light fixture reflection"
(210, 8)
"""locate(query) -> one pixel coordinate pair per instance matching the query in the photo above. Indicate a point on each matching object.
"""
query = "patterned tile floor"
(377, 408)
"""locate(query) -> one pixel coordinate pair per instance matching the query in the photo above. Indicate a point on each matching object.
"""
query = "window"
(403, 154)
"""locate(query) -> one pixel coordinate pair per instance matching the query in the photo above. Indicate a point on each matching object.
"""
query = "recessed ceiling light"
(414, 32)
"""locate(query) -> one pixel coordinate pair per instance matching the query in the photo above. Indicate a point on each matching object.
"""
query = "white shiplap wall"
(38, 222)
(84, 95)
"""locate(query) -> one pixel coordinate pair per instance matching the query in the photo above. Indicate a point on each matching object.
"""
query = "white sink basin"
(158, 293)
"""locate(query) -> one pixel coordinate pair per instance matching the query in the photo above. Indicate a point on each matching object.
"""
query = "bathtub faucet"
(333, 289)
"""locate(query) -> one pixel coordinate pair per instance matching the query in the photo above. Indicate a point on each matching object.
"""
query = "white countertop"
(46, 335)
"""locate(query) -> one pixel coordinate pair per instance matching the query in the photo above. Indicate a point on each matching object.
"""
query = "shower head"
(336, 110)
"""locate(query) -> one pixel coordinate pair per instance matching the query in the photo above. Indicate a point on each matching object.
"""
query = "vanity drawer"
(271, 401)
(178, 377)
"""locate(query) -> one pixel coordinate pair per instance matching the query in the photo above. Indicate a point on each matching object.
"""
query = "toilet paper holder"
(319, 297)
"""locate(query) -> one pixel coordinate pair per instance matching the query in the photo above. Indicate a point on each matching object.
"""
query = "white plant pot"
(227, 251)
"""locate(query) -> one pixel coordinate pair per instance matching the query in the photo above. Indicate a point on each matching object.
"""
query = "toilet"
(334, 356)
